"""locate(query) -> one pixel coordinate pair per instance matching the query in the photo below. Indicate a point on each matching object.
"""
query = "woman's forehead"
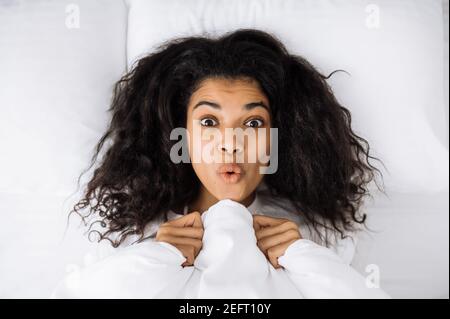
(238, 90)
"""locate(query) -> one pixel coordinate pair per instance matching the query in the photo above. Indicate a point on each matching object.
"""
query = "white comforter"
(230, 265)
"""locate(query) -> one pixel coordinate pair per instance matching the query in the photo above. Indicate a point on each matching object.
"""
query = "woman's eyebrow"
(247, 106)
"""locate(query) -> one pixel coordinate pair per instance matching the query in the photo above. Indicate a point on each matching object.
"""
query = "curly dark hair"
(323, 169)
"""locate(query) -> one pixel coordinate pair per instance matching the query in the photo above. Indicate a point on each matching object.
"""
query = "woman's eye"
(255, 123)
(208, 122)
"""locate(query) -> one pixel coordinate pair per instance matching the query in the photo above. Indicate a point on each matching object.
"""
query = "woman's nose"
(231, 148)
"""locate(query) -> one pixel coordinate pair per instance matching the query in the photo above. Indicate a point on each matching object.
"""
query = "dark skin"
(274, 235)
(185, 233)
(229, 112)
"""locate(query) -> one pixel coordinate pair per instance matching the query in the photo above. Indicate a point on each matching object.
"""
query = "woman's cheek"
(263, 146)
(209, 139)
(200, 148)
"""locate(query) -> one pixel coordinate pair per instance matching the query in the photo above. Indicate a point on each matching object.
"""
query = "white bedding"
(411, 247)
(230, 265)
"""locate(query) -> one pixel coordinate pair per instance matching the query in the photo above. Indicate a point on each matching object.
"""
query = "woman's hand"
(185, 233)
(274, 236)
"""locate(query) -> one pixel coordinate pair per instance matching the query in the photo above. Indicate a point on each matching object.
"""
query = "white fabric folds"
(230, 265)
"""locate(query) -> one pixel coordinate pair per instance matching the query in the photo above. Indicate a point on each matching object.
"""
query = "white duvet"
(230, 265)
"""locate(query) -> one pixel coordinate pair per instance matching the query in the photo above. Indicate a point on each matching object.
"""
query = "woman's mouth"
(230, 173)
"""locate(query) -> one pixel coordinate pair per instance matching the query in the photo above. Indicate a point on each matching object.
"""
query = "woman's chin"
(233, 195)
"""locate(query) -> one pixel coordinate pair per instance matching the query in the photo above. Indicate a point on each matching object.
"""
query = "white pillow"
(446, 61)
(58, 61)
(392, 49)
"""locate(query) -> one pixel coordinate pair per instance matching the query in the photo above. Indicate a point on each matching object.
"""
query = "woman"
(314, 182)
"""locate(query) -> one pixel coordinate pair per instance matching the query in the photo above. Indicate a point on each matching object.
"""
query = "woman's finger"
(270, 231)
(191, 232)
(268, 242)
(256, 226)
(188, 252)
(196, 243)
(197, 220)
(277, 251)
(262, 221)
(189, 220)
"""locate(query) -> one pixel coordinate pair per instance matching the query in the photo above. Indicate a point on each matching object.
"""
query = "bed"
(59, 61)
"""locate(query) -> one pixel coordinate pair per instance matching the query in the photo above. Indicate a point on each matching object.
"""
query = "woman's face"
(223, 121)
